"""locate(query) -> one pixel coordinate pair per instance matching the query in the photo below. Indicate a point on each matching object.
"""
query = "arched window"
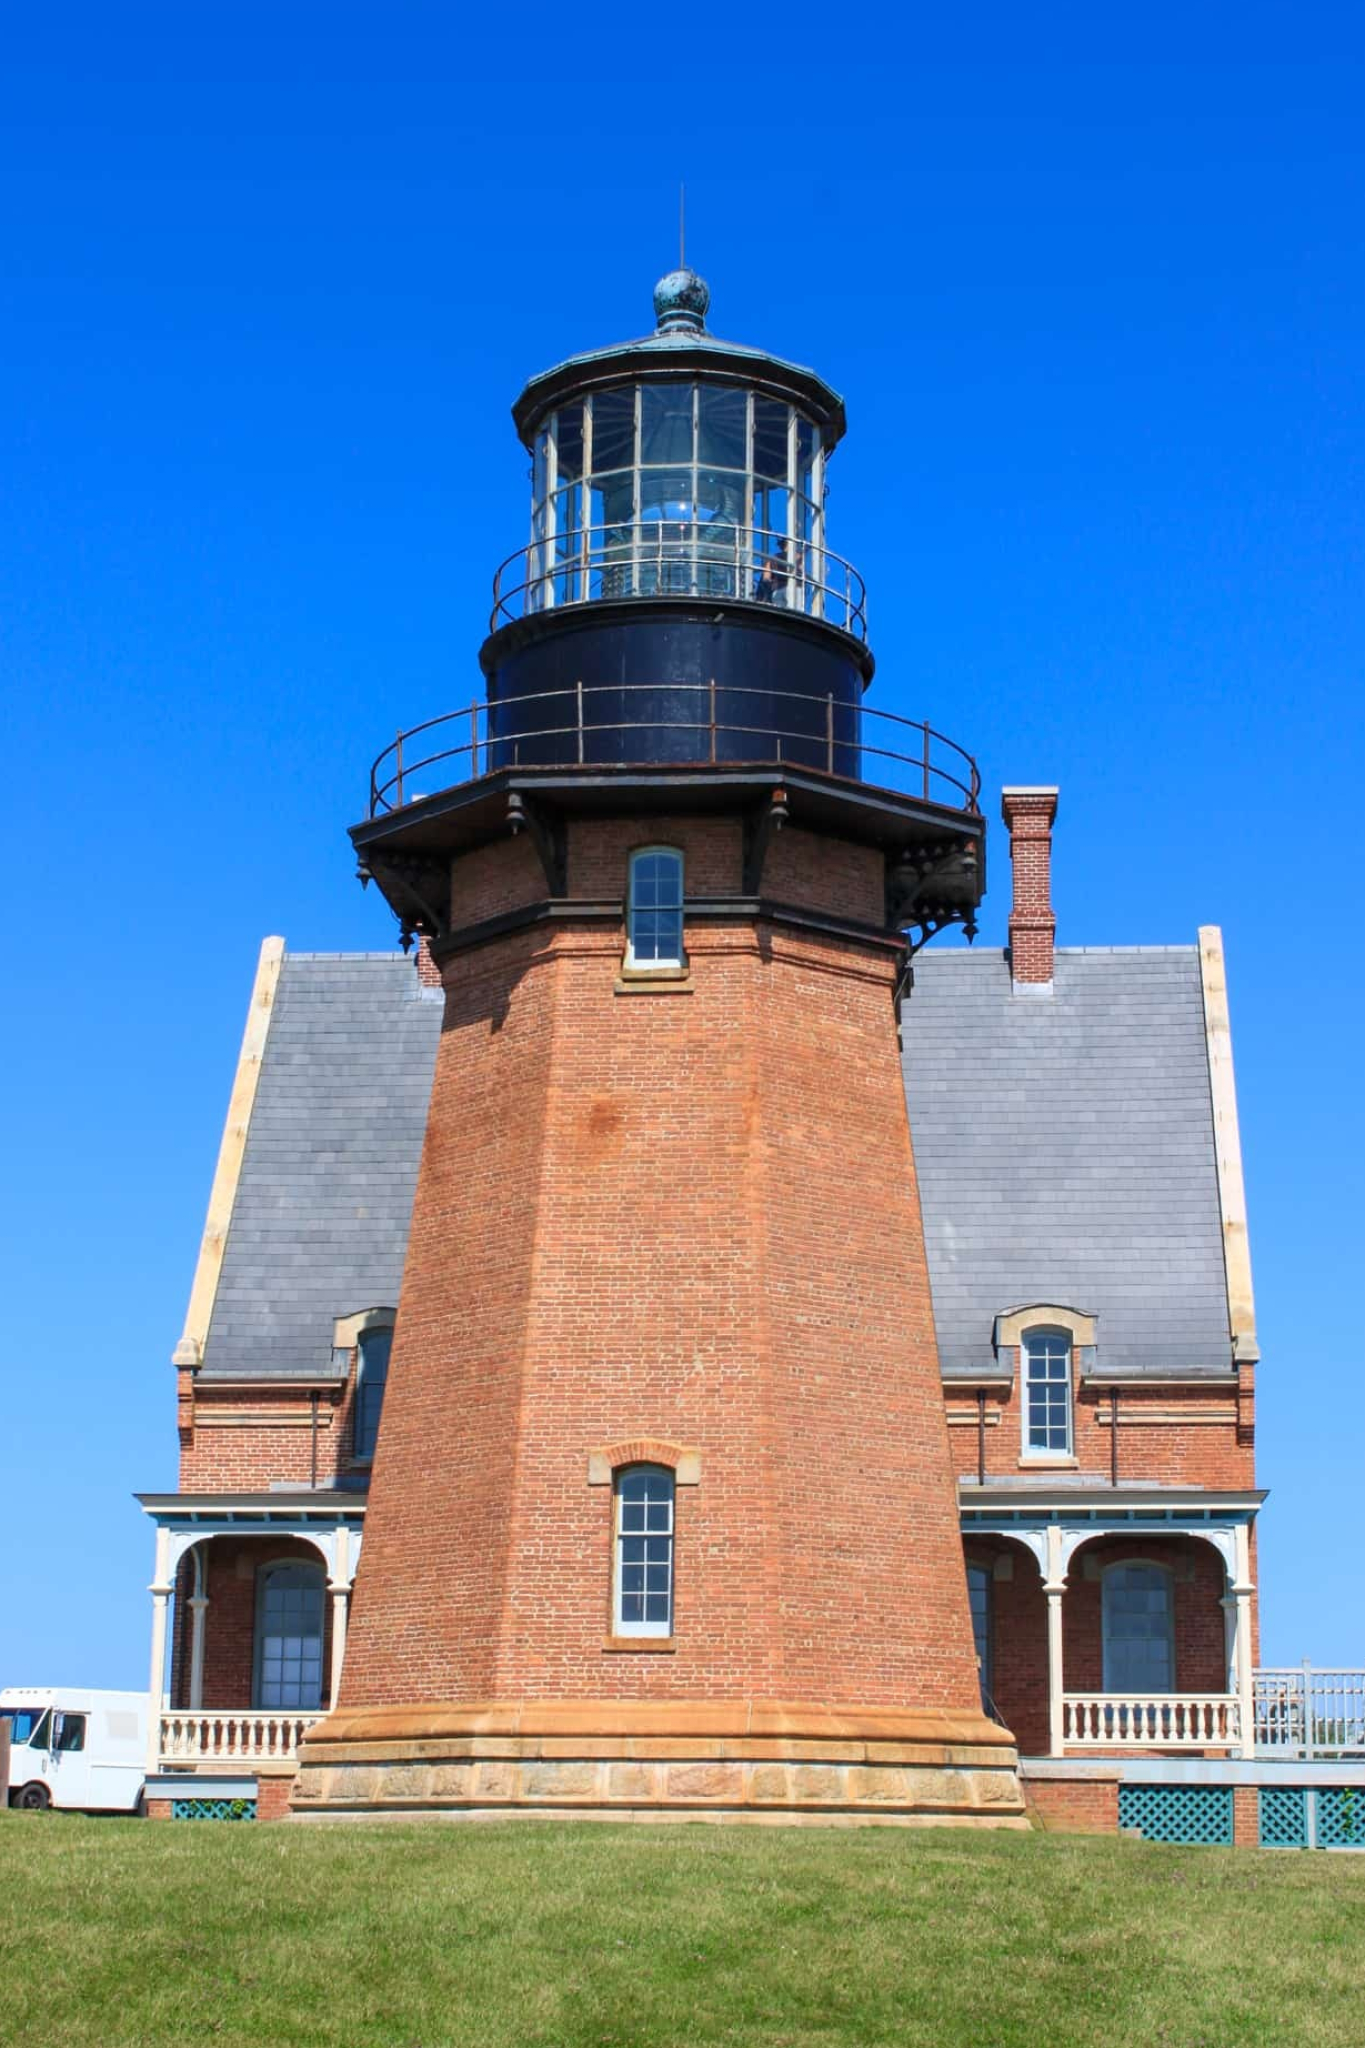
(1046, 1355)
(643, 1594)
(288, 1662)
(371, 1377)
(1139, 1633)
(654, 908)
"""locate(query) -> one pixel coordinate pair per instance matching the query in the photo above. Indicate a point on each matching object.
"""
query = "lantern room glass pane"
(569, 442)
(770, 439)
(613, 430)
(722, 426)
(665, 494)
(666, 423)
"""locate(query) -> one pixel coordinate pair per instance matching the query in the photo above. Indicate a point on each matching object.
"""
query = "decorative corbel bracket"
(931, 887)
(417, 891)
(760, 826)
(547, 834)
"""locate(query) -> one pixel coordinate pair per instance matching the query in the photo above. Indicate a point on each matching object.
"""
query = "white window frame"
(1043, 1453)
(673, 964)
(621, 1536)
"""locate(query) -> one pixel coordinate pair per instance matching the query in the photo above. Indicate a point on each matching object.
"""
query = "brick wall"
(666, 1215)
(1088, 1806)
(1200, 1637)
(1171, 1435)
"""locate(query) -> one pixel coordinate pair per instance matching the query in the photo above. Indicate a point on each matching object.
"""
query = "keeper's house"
(740, 1444)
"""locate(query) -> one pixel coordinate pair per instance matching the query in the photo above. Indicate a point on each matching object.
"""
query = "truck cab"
(75, 1748)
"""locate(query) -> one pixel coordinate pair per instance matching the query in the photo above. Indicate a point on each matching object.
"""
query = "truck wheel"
(34, 1798)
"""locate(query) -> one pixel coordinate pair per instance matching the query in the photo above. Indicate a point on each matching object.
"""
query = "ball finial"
(681, 300)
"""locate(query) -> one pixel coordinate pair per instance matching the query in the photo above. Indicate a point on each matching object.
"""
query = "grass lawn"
(116, 1932)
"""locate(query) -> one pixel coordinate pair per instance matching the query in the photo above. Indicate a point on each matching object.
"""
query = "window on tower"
(642, 1603)
(654, 910)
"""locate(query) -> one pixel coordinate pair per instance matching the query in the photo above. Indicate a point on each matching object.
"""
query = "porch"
(1114, 1620)
(250, 1603)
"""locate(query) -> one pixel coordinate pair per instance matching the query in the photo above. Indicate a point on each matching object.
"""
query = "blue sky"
(270, 280)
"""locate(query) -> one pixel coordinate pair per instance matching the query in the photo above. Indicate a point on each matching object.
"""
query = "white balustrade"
(233, 1738)
(1165, 1720)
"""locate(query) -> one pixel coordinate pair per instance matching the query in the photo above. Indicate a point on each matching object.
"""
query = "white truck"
(75, 1748)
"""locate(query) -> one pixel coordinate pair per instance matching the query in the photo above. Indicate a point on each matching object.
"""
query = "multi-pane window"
(372, 1373)
(654, 909)
(1139, 1649)
(1047, 1391)
(979, 1597)
(644, 1552)
(289, 1637)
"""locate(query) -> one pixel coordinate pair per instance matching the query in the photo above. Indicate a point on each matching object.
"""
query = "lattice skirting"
(213, 1809)
(1178, 1813)
(1300, 1817)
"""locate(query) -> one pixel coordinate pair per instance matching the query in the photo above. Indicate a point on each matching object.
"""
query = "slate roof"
(1064, 1146)
(1065, 1152)
(320, 1222)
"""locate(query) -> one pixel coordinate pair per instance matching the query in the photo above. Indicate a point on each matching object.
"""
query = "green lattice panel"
(1177, 1813)
(213, 1809)
(1283, 1818)
(1341, 1817)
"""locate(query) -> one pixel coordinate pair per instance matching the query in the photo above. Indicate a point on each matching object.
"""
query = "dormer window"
(371, 1377)
(654, 910)
(1046, 1364)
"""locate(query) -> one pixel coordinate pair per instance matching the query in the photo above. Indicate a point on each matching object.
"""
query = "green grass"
(433, 1935)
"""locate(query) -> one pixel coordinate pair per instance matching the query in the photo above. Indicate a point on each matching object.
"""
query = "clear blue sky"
(1092, 286)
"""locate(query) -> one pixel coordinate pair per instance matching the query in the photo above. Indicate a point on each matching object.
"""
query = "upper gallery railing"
(1308, 1710)
(686, 724)
(680, 558)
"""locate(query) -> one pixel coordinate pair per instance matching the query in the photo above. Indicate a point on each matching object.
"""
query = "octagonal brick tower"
(662, 1518)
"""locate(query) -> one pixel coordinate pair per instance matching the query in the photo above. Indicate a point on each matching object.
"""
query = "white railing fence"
(256, 1737)
(1308, 1710)
(1168, 1720)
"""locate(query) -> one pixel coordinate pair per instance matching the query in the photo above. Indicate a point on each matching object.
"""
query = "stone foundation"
(664, 1760)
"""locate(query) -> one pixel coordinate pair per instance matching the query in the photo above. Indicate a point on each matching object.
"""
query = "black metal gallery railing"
(592, 725)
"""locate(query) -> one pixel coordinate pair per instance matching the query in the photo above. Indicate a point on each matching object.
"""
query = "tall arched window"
(654, 908)
(643, 1594)
(979, 1597)
(1046, 1355)
(371, 1378)
(288, 1662)
(1139, 1631)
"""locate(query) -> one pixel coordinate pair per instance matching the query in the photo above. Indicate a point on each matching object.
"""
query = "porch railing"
(1168, 1720)
(233, 1738)
(1308, 1710)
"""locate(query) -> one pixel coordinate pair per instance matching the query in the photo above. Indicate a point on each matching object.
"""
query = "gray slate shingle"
(1065, 1152)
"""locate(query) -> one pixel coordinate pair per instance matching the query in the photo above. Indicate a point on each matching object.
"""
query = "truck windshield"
(24, 1722)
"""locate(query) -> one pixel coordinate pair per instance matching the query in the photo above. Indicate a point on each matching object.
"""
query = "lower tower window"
(643, 1594)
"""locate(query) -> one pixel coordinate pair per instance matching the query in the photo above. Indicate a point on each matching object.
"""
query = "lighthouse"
(662, 1518)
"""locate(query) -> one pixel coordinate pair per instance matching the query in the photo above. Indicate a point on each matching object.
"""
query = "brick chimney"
(1029, 814)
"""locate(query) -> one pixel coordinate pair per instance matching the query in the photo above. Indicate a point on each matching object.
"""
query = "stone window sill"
(649, 1646)
(653, 985)
(1045, 1463)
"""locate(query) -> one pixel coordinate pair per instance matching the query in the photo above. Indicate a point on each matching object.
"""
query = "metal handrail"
(940, 770)
(680, 558)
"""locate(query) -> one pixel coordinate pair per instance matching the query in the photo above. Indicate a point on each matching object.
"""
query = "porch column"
(340, 1585)
(1243, 1671)
(198, 1606)
(1054, 1585)
(160, 1589)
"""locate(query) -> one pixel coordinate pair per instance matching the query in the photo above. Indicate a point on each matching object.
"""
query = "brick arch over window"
(682, 1460)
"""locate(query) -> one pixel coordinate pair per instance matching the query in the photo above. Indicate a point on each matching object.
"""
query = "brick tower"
(662, 1517)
